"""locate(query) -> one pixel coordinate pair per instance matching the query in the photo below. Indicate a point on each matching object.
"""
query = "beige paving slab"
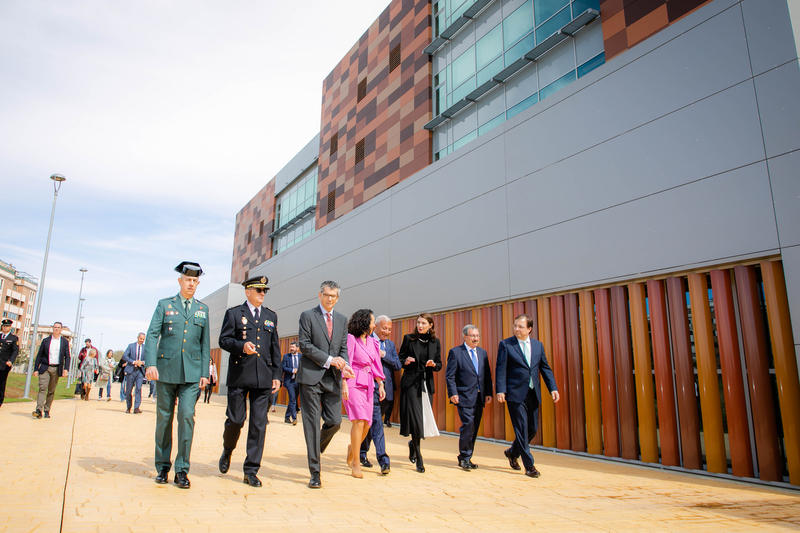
(96, 462)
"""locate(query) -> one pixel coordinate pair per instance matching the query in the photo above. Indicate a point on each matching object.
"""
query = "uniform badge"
(269, 323)
(200, 314)
(244, 320)
(169, 305)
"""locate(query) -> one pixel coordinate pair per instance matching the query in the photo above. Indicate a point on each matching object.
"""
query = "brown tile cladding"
(261, 209)
(629, 22)
(389, 118)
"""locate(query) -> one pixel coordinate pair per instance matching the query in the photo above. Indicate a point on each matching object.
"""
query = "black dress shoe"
(224, 461)
(163, 476)
(385, 469)
(182, 480)
(472, 465)
(464, 465)
(315, 482)
(37, 414)
(365, 463)
(512, 461)
(287, 421)
(420, 469)
(532, 472)
(388, 424)
(47, 414)
(412, 455)
(252, 480)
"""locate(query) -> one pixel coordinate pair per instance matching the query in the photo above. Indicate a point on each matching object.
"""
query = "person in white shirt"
(52, 362)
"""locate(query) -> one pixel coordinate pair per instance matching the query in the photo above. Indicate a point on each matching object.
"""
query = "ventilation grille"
(360, 150)
(394, 58)
(362, 89)
(334, 143)
(331, 201)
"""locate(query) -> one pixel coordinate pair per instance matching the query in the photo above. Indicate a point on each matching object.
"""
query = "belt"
(53, 365)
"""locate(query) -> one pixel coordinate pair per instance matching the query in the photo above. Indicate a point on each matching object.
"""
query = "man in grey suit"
(323, 343)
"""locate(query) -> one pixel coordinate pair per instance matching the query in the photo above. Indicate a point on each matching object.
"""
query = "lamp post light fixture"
(58, 179)
(73, 367)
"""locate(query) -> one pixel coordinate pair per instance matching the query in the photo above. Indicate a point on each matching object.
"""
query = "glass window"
(579, 6)
(520, 49)
(463, 67)
(464, 90)
(301, 195)
(489, 47)
(490, 71)
(589, 42)
(496, 121)
(556, 63)
(592, 64)
(555, 23)
(522, 106)
(521, 86)
(517, 24)
(560, 83)
(544, 9)
(465, 139)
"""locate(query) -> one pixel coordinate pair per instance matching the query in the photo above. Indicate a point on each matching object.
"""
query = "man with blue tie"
(520, 362)
(134, 373)
(469, 387)
(289, 367)
(391, 363)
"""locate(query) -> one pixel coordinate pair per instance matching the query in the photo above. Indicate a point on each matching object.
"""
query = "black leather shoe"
(182, 480)
(224, 461)
(464, 465)
(252, 480)
(385, 469)
(365, 463)
(388, 424)
(420, 469)
(127, 411)
(315, 482)
(472, 465)
(47, 414)
(512, 461)
(532, 472)
(163, 477)
(37, 414)
(412, 455)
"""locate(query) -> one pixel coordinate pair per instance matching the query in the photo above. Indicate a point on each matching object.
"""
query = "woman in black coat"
(421, 355)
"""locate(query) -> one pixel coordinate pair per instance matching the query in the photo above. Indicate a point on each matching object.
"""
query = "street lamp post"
(76, 335)
(58, 179)
(73, 366)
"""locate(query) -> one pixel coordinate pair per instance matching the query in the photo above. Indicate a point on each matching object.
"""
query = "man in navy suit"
(520, 361)
(469, 387)
(52, 362)
(134, 373)
(391, 364)
(289, 367)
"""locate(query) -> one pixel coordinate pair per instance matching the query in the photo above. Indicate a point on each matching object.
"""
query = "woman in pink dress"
(357, 393)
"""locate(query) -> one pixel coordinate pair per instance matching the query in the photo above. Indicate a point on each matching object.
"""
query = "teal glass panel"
(522, 106)
(553, 25)
(592, 64)
(517, 24)
(489, 46)
(496, 121)
(465, 139)
(560, 83)
(579, 6)
(520, 49)
(459, 10)
(544, 9)
(463, 67)
(464, 90)
(490, 71)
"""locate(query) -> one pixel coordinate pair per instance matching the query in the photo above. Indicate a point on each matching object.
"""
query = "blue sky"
(165, 118)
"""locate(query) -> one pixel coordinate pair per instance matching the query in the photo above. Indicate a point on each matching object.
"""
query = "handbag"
(429, 428)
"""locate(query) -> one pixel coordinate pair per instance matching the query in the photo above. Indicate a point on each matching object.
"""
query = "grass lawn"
(16, 385)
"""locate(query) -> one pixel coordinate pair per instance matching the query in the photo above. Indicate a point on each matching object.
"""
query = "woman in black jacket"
(421, 355)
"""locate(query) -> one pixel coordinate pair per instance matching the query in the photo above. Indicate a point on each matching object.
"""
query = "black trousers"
(257, 429)
(4, 370)
(470, 422)
(322, 401)
(525, 421)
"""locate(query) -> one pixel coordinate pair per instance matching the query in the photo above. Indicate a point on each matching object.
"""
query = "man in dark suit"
(289, 367)
(133, 358)
(520, 361)
(391, 363)
(52, 362)
(250, 334)
(322, 337)
(9, 348)
(469, 387)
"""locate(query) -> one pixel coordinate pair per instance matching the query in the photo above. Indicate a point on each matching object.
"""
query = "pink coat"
(365, 360)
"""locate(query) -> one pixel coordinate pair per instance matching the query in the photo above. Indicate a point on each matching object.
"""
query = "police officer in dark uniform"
(250, 334)
(9, 348)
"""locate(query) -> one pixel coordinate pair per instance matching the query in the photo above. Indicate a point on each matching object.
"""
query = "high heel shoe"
(412, 455)
(420, 466)
(355, 468)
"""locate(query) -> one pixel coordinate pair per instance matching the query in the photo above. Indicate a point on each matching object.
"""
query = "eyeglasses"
(259, 290)
(329, 296)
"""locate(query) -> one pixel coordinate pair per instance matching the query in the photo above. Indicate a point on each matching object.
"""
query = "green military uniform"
(178, 346)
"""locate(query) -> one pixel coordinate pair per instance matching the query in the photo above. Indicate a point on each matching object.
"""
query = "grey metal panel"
(360, 264)
(770, 36)
(352, 232)
(374, 295)
(473, 224)
(783, 174)
(477, 276)
(297, 165)
(457, 179)
(700, 223)
(665, 79)
(309, 252)
(791, 271)
(779, 105)
(712, 136)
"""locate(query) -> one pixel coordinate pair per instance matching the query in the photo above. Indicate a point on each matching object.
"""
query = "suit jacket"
(175, 341)
(129, 356)
(422, 353)
(254, 371)
(513, 374)
(286, 366)
(391, 364)
(43, 356)
(9, 348)
(462, 380)
(316, 347)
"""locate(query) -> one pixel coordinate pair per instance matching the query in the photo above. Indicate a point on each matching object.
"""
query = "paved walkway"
(90, 468)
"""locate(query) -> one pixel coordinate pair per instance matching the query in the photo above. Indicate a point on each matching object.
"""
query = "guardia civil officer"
(250, 334)
(9, 348)
(177, 354)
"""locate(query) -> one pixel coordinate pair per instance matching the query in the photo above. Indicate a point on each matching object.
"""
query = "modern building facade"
(18, 291)
(643, 210)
